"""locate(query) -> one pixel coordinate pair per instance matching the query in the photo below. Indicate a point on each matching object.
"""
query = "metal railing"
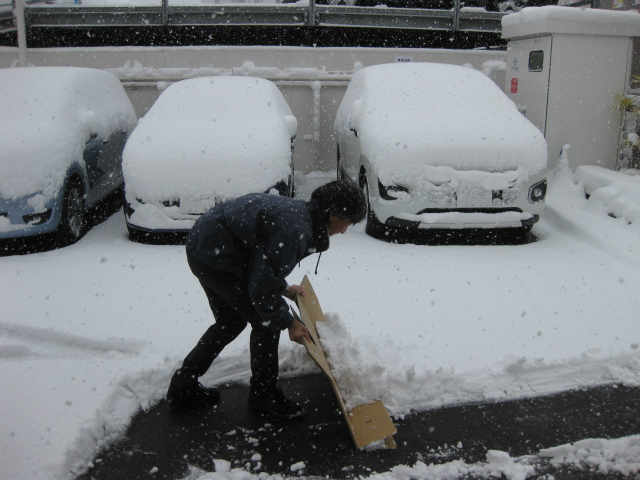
(165, 14)
(7, 21)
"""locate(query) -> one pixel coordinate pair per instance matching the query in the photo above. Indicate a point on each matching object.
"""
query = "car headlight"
(392, 192)
(538, 191)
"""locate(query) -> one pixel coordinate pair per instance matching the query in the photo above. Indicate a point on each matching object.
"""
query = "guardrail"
(7, 22)
(455, 19)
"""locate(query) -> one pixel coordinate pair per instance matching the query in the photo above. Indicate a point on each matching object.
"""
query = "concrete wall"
(312, 80)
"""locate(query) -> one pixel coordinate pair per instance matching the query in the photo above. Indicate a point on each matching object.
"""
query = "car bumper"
(461, 220)
(454, 207)
(153, 218)
(18, 218)
(174, 216)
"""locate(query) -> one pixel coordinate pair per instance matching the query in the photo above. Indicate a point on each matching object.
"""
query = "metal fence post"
(18, 12)
(165, 12)
(456, 15)
(311, 21)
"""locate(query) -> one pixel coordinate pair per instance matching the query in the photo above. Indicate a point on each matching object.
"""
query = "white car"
(438, 146)
(205, 141)
(63, 132)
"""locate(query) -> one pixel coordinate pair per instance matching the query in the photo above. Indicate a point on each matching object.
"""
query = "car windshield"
(429, 90)
(219, 98)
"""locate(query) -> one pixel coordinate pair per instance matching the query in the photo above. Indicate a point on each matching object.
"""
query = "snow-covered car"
(63, 132)
(438, 146)
(205, 141)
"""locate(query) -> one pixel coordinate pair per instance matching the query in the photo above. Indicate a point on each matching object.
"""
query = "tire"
(373, 227)
(523, 232)
(73, 217)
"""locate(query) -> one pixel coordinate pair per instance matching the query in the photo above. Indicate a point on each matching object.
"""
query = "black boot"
(185, 391)
(275, 403)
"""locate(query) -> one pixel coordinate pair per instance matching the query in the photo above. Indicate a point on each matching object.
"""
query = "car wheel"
(72, 220)
(524, 231)
(373, 227)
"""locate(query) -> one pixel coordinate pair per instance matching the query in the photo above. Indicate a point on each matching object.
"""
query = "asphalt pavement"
(161, 443)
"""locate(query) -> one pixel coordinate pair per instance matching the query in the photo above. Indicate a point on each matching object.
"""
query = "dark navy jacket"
(260, 238)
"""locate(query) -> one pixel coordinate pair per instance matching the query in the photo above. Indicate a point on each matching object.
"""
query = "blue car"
(63, 133)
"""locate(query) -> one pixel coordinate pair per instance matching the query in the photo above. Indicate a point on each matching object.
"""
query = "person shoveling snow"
(242, 251)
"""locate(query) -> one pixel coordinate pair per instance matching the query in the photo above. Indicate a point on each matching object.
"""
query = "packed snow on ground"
(91, 333)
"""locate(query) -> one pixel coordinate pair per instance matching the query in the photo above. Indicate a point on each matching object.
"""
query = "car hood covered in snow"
(420, 120)
(48, 114)
(204, 137)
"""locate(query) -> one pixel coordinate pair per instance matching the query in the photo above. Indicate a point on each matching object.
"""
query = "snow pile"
(621, 456)
(616, 193)
(44, 133)
(128, 396)
(210, 138)
(359, 375)
(134, 70)
(498, 464)
(601, 455)
(491, 66)
(476, 127)
(362, 375)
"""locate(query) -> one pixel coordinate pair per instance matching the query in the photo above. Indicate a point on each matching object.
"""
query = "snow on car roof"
(413, 115)
(48, 114)
(211, 136)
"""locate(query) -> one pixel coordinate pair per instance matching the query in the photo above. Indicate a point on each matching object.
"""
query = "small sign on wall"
(404, 59)
(514, 85)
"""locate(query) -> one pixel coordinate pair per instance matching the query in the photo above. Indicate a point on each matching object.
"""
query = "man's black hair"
(341, 198)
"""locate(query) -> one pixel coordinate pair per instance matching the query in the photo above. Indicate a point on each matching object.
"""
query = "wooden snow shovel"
(367, 423)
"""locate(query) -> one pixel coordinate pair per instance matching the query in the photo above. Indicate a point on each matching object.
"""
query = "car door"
(103, 160)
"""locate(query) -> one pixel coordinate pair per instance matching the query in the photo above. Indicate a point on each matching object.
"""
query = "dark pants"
(233, 309)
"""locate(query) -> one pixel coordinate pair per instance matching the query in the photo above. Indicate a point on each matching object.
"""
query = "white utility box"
(565, 67)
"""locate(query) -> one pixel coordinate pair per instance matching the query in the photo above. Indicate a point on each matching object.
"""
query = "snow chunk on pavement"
(621, 455)
(616, 192)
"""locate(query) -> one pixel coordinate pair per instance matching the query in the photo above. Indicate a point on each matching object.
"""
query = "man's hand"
(298, 331)
(292, 291)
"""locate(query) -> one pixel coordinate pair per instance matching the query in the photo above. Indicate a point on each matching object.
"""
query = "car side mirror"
(292, 125)
(354, 120)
